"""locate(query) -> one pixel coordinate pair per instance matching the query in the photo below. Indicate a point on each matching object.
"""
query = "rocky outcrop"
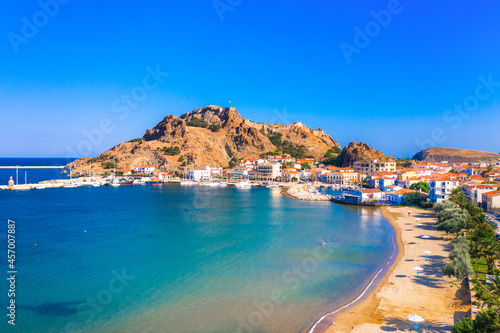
(355, 152)
(221, 134)
(452, 155)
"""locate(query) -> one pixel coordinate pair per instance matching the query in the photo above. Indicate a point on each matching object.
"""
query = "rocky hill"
(208, 136)
(452, 155)
(355, 152)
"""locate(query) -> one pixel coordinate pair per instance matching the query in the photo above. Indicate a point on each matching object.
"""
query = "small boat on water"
(155, 180)
(125, 181)
(272, 185)
(243, 185)
(70, 185)
(113, 182)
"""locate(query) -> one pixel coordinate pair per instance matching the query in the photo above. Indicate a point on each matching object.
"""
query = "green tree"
(214, 127)
(413, 198)
(487, 321)
(306, 166)
(294, 179)
(109, 165)
(424, 186)
(460, 265)
(490, 250)
(197, 123)
(175, 150)
(444, 205)
(463, 326)
(458, 197)
(402, 161)
(232, 163)
(452, 220)
(276, 139)
(488, 296)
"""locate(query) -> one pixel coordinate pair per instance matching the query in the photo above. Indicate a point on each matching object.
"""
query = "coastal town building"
(374, 166)
(164, 176)
(475, 193)
(288, 175)
(343, 176)
(398, 197)
(385, 182)
(404, 174)
(125, 172)
(144, 169)
(491, 200)
(239, 172)
(440, 187)
(203, 174)
(409, 182)
(269, 171)
(369, 194)
(305, 175)
(374, 179)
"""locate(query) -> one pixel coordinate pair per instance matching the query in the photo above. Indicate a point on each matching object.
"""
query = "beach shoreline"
(439, 299)
(378, 280)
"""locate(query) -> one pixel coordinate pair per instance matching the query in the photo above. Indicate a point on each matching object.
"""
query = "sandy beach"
(438, 299)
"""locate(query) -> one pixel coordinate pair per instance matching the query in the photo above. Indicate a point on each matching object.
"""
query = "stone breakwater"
(303, 192)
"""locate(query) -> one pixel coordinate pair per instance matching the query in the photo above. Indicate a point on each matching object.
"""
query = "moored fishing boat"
(155, 180)
(125, 181)
(244, 184)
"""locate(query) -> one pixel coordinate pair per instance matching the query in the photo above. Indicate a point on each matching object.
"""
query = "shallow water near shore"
(186, 259)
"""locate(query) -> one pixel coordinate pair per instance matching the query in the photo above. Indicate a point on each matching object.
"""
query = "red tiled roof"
(492, 194)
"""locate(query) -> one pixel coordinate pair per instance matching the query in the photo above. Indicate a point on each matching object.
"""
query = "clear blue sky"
(276, 61)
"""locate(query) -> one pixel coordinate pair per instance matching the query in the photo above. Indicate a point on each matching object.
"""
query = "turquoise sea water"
(32, 175)
(168, 258)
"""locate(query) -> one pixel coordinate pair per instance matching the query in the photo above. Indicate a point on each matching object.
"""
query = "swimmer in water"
(322, 243)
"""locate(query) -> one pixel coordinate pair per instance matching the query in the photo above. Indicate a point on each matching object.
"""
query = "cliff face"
(208, 136)
(452, 155)
(355, 152)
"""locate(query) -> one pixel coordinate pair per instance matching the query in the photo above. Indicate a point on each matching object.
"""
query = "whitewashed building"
(144, 169)
(269, 171)
(441, 187)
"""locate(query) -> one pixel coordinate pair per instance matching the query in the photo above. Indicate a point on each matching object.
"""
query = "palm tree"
(490, 250)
